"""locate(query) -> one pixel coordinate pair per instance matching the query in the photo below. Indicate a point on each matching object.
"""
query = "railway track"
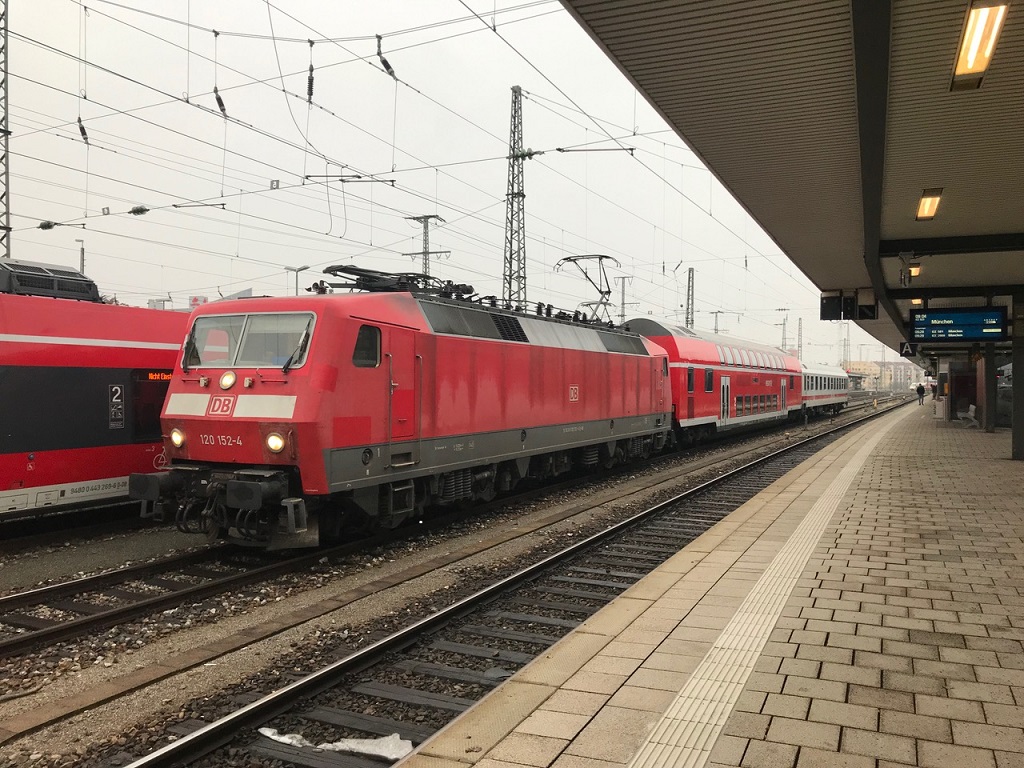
(64, 611)
(437, 667)
(67, 610)
(604, 495)
(61, 612)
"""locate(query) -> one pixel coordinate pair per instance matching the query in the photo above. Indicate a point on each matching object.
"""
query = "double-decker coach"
(826, 388)
(721, 383)
(82, 383)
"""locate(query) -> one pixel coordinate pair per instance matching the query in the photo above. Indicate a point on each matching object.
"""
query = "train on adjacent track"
(82, 384)
(287, 418)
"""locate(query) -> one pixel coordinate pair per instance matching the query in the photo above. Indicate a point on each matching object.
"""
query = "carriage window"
(664, 366)
(689, 379)
(728, 355)
(792, 382)
(709, 379)
(367, 351)
(746, 404)
(721, 353)
(739, 405)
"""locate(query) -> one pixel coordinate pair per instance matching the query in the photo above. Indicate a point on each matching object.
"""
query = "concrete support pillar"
(1017, 449)
(990, 388)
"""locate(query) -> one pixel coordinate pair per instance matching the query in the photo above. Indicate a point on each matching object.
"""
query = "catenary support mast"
(5, 171)
(513, 290)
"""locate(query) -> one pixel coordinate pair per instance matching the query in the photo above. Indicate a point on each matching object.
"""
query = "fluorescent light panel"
(917, 302)
(929, 204)
(914, 269)
(978, 43)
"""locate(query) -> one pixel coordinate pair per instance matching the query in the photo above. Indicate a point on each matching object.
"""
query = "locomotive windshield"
(249, 341)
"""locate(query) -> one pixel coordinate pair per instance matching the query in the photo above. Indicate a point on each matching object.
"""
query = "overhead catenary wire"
(353, 39)
(244, 124)
(434, 197)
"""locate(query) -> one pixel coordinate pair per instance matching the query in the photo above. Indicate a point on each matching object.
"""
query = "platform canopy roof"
(828, 121)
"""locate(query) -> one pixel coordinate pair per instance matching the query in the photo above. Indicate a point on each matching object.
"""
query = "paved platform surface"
(865, 611)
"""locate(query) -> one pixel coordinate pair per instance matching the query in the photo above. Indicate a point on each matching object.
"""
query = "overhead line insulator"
(220, 101)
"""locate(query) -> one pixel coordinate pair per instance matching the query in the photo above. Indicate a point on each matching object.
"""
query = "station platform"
(864, 611)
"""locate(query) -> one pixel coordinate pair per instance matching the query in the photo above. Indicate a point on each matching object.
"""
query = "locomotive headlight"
(177, 438)
(275, 442)
(227, 379)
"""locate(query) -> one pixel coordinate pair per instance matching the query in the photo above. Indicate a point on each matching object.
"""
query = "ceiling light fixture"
(917, 302)
(929, 204)
(978, 43)
(914, 269)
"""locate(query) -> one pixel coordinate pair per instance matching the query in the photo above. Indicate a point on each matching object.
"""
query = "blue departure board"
(973, 324)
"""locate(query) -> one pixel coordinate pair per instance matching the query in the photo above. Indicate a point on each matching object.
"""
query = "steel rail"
(205, 740)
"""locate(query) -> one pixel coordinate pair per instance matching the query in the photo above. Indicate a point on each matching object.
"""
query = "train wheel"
(213, 527)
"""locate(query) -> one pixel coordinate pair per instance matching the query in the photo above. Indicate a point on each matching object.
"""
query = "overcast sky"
(230, 204)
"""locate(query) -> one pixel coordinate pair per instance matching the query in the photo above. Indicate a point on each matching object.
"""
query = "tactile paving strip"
(688, 729)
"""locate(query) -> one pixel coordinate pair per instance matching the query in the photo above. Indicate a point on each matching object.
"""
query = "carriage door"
(724, 411)
(404, 400)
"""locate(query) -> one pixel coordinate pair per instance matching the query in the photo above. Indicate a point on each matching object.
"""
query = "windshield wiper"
(299, 348)
(190, 347)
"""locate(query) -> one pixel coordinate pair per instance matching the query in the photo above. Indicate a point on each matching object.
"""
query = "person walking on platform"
(920, 394)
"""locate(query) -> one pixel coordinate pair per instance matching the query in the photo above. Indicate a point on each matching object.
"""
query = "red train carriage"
(289, 415)
(721, 384)
(82, 384)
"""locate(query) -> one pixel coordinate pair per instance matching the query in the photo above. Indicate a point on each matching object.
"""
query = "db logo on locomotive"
(221, 405)
(574, 394)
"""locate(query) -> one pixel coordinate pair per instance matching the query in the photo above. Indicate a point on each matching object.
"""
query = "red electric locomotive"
(82, 383)
(721, 384)
(289, 416)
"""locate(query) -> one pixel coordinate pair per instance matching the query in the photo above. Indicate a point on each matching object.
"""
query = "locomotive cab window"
(275, 339)
(251, 341)
(367, 351)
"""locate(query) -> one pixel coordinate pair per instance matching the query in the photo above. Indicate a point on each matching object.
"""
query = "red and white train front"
(241, 410)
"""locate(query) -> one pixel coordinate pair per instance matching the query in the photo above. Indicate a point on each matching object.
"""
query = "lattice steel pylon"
(513, 284)
(688, 322)
(5, 170)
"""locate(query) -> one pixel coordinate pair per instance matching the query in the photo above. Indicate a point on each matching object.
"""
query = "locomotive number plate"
(227, 440)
